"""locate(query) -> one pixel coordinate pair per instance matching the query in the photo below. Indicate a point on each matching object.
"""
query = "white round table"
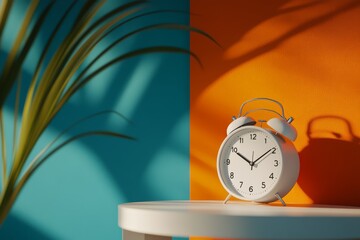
(163, 219)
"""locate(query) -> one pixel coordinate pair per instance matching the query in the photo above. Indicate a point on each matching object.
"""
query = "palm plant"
(55, 81)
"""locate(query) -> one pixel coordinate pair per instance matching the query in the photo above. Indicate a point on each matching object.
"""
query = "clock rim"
(236, 194)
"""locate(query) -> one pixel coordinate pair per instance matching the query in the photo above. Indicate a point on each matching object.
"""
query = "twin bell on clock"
(257, 163)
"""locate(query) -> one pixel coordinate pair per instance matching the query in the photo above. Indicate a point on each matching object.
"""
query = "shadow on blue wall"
(65, 199)
(21, 230)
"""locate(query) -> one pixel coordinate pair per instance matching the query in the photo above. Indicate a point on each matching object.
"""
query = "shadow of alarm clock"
(330, 164)
(255, 163)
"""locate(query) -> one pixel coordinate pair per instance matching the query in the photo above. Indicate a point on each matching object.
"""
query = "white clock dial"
(250, 163)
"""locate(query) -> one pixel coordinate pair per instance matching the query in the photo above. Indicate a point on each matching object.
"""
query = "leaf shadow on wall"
(125, 163)
(232, 29)
(330, 164)
(233, 21)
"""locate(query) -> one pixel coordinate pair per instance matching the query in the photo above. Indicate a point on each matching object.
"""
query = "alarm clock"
(256, 163)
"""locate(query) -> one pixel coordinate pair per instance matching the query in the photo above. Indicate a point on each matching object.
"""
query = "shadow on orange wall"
(231, 20)
(272, 49)
(303, 53)
(330, 163)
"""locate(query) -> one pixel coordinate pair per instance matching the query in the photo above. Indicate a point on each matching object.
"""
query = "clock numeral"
(241, 183)
(241, 140)
(265, 140)
(234, 149)
(251, 189)
(274, 151)
(263, 185)
(227, 161)
(231, 175)
(276, 163)
(271, 176)
(252, 136)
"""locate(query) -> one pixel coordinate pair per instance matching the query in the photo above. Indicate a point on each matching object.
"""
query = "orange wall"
(304, 54)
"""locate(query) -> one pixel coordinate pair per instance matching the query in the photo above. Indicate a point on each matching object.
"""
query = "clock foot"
(227, 198)
(280, 199)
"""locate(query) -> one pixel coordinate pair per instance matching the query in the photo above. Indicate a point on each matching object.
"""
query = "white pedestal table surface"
(163, 219)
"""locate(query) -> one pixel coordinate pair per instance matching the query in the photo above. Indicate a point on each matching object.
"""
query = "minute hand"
(263, 155)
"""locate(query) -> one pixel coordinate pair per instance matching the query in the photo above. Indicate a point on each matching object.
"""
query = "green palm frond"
(56, 80)
(3, 149)
(4, 13)
(7, 78)
(39, 157)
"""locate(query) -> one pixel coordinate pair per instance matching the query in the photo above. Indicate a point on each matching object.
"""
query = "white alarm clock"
(255, 163)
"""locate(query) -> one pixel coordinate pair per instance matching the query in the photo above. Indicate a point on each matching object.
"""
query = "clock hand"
(263, 155)
(252, 161)
(243, 157)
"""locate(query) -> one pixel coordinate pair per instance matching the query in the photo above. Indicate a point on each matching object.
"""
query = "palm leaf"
(54, 92)
(135, 53)
(30, 92)
(31, 129)
(15, 192)
(4, 13)
(3, 149)
(170, 26)
(72, 126)
(6, 80)
(16, 113)
(53, 83)
(105, 18)
(13, 73)
(87, 13)
(74, 63)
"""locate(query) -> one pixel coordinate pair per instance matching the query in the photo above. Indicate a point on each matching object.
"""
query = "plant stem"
(3, 148)
(5, 205)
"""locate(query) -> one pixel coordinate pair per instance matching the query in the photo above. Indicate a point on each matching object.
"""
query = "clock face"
(250, 163)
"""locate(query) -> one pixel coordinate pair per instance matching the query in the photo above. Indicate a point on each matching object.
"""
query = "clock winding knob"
(283, 127)
(239, 122)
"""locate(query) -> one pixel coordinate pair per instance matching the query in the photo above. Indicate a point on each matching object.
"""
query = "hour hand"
(244, 158)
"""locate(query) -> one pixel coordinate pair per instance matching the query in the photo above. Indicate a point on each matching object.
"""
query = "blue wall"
(75, 194)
